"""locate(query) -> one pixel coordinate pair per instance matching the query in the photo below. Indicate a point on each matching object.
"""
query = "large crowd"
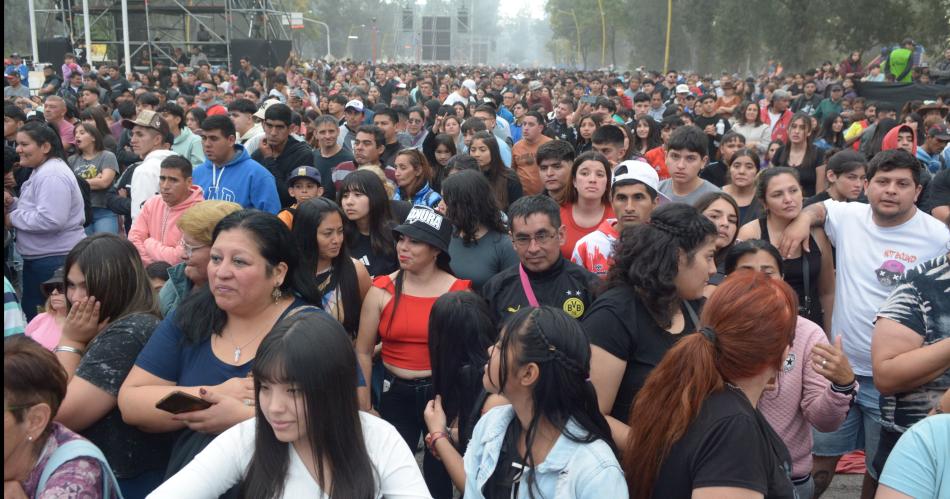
(344, 279)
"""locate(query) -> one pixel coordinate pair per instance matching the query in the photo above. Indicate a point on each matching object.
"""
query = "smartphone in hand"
(178, 402)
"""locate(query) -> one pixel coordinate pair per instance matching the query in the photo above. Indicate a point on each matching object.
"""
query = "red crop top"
(406, 337)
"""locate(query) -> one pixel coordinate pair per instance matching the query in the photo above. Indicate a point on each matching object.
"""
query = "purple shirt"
(80, 477)
(48, 215)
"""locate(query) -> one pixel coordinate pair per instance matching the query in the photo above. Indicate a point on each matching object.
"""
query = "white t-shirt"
(145, 179)
(869, 262)
(222, 464)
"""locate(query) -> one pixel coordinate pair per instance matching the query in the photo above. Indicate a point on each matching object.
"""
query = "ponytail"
(748, 322)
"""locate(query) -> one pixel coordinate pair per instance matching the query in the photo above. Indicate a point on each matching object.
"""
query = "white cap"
(637, 170)
(470, 85)
(682, 88)
(267, 103)
(355, 104)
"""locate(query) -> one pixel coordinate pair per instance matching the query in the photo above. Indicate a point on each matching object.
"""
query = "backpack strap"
(75, 449)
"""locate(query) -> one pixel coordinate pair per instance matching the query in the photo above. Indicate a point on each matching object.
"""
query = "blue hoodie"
(242, 180)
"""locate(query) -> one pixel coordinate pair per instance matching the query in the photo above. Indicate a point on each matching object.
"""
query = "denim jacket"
(570, 470)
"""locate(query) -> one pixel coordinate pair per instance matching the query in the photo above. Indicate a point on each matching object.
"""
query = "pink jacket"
(154, 232)
(802, 399)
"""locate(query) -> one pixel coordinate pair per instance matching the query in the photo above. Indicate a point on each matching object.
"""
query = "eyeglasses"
(189, 249)
(523, 240)
(49, 287)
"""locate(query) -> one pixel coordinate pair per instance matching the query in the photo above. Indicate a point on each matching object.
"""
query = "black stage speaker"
(257, 51)
(52, 50)
(279, 51)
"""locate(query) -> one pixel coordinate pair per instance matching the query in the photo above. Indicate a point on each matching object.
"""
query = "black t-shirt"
(715, 173)
(388, 158)
(619, 323)
(565, 285)
(807, 171)
(702, 122)
(937, 192)
(376, 264)
(326, 166)
(729, 444)
(108, 360)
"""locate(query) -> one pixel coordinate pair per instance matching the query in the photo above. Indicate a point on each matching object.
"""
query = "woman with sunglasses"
(815, 386)
(47, 327)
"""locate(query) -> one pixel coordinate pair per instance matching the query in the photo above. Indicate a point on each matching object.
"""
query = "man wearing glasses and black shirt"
(543, 276)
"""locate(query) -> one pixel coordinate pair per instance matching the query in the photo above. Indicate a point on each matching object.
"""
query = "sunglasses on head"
(49, 287)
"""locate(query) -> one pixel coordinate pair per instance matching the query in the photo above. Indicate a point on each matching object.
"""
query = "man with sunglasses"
(542, 276)
(207, 99)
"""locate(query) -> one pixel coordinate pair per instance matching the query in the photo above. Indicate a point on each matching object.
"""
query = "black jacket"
(565, 285)
(296, 153)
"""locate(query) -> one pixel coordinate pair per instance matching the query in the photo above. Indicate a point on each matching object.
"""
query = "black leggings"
(402, 405)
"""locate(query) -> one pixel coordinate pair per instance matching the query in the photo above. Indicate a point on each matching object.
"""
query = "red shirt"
(574, 232)
(657, 159)
(405, 333)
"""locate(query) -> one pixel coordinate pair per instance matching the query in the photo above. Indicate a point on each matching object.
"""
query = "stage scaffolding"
(157, 27)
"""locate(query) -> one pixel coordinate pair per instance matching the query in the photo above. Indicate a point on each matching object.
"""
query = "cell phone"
(178, 402)
(588, 99)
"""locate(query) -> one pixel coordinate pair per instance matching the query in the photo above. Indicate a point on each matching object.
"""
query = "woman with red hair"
(694, 429)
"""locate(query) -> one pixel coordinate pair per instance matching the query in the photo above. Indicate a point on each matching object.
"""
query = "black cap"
(427, 225)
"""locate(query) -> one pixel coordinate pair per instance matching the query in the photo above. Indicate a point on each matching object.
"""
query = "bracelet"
(68, 349)
(432, 438)
(849, 388)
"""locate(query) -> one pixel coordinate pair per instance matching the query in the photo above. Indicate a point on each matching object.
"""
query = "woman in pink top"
(46, 328)
(815, 387)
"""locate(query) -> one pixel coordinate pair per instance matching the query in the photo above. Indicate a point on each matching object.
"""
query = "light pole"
(326, 27)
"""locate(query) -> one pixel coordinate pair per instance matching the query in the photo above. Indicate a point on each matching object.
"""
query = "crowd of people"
(293, 281)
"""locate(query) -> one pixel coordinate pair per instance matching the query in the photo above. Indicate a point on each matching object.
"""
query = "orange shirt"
(657, 159)
(524, 164)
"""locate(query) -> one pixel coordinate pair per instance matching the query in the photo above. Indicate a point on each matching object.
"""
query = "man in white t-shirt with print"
(633, 194)
(875, 244)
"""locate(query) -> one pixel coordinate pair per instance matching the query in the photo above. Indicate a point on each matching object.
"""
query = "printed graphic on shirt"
(87, 171)
(573, 306)
(789, 363)
(220, 194)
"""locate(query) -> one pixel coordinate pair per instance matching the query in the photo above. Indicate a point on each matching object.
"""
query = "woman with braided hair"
(694, 429)
(653, 297)
(551, 441)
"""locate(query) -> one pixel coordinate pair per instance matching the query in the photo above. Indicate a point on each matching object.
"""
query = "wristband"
(847, 389)
(68, 349)
(432, 438)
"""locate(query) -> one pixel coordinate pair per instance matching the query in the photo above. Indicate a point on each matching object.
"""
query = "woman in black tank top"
(810, 274)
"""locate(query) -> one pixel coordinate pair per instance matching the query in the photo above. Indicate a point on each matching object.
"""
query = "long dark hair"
(310, 214)
(199, 317)
(653, 139)
(810, 150)
(834, 139)
(380, 216)
(877, 140)
(554, 341)
(96, 114)
(312, 352)
(572, 196)
(114, 274)
(497, 173)
(709, 198)
(461, 329)
(470, 202)
(646, 257)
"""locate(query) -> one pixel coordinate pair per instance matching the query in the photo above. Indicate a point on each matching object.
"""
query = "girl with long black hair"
(552, 441)
(369, 221)
(343, 281)
(461, 329)
(646, 135)
(308, 438)
(504, 182)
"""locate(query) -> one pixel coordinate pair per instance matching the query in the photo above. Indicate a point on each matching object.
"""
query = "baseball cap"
(354, 104)
(534, 85)
(148, 119)
(427, 225)
(263, 109)
(682, 88)
(939, 131)
(305, 172)
(637, 171)
(13, 75)
(470, 85)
